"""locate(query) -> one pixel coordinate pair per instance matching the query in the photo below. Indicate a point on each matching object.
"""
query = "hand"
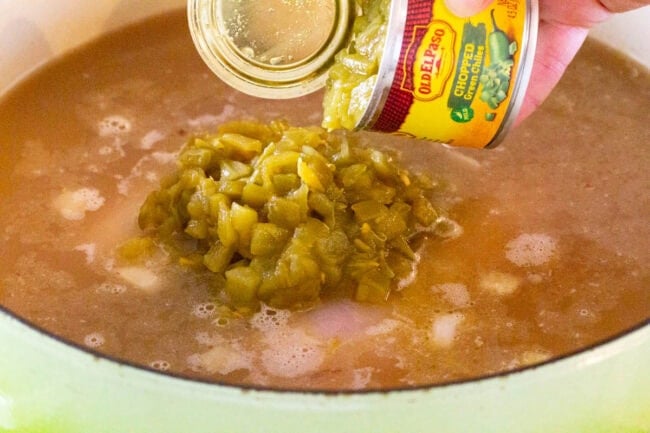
(563, 28)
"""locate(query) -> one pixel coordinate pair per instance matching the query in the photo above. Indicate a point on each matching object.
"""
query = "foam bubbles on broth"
(88, 250)
(111, 288)
(94, 340)
(113, 125)
(73, 205)
(445, 328)
(160, 364)
(223, 358)
(268, 318)
(531, 249)
(151, 138)
(204, 310)
(291, 353)
(499, 283)
(454, 293)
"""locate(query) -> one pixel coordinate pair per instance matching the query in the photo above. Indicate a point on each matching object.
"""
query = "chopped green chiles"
(352, 78)
(283, 215)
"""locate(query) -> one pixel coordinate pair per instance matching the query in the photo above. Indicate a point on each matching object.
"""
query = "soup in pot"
(545, 247)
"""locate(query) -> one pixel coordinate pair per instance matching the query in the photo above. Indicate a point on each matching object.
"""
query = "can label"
(455, 78)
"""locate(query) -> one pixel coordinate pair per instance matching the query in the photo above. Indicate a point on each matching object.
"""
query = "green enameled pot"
(49, 386)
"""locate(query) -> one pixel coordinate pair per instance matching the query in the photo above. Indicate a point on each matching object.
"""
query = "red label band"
(419, 14)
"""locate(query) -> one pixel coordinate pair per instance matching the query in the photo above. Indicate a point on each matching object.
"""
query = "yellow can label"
(454, 81)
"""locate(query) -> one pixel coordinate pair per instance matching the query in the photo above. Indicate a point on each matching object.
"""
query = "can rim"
(260, 79)
(386, 74)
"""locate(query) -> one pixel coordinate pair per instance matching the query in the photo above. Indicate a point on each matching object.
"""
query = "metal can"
(459, 81)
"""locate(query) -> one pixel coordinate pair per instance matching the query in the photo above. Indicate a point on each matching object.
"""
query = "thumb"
(466, 8)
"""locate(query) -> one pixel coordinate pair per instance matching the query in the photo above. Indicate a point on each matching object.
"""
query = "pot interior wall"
(33, 32)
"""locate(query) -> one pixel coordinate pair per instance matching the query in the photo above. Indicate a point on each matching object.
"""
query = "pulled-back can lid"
(275, 49)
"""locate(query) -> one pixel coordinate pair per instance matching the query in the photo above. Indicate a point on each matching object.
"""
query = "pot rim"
(591, 353)
(596, 350)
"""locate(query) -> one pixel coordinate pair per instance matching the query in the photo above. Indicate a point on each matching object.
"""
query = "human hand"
(563, 27)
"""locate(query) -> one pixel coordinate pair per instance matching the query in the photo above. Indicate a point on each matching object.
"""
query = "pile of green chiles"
(281, 214)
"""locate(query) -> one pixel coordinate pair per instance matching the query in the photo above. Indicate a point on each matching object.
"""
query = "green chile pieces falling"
(283, 215)
(496, 76)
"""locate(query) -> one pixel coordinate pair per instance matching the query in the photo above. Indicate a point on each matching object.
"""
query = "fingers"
(624, 5)
(466, 8)
(562, 30)
(581, 13)
(557, 45)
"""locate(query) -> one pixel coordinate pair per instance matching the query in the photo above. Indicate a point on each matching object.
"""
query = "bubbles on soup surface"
(454, 293)
(343, 320)
(111, 288)
(223, 359)
(411, 276)
(94, 340)
(530, 249)
(584, 312)
(160, 364)
(536, 356)
(150, 138)
(140, 277)
(209, 120)
(386, 326)
(113, 125)
(88, 250)
(206, 339)
(292, 353)
(445, 328)
(73, 205)
(204, 310)
(361, 377)
(269, 318)
(499, 283)
(448, 228)
(535, 278)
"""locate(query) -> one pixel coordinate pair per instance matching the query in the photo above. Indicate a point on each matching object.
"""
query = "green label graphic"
(471, 59)
(462, 114)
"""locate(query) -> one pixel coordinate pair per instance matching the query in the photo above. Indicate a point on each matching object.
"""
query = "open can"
(444, 78)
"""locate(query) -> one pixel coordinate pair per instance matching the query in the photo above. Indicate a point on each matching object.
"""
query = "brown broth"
(107, 119)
